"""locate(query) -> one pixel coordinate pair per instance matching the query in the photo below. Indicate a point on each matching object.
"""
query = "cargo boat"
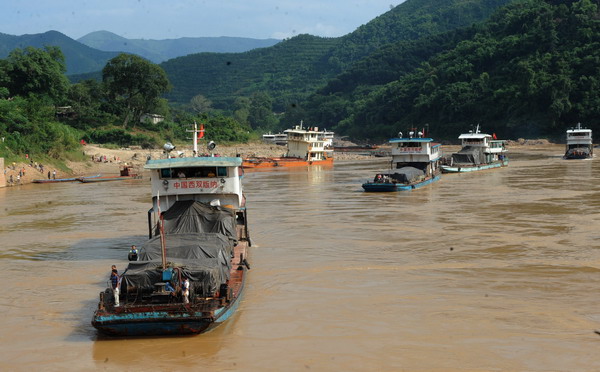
(479, 151)
(126, 172)
(189, 276)
(305, 146)
(415, 163)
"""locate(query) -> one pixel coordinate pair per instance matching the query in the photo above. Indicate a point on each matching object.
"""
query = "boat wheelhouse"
(415, 163)
(579, 143)
(479, 151)
(189, 276)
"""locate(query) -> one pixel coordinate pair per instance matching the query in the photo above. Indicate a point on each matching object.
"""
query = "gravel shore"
(108, 161)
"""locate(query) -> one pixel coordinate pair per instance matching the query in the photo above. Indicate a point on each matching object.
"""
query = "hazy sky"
(169, 19)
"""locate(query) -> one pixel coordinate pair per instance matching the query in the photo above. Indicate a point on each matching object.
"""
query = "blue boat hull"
(473, 168)
(163, 323)
(391, 187)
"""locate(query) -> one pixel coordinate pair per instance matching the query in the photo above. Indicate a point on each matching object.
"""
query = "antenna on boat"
(195, 138)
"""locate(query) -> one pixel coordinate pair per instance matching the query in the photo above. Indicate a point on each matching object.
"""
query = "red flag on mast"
(494, 136)
(201, 131)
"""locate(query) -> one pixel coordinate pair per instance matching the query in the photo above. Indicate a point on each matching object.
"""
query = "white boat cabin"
(483, 141)
(579, 137)
(213, 180)
(306, 143)
(414, 150)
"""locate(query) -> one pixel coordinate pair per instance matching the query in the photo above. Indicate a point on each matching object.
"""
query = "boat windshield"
(193, 172)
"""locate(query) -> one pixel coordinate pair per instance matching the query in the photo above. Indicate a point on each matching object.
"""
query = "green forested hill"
(79, 58)
(532, 69)
(292, 69)
(287, 70)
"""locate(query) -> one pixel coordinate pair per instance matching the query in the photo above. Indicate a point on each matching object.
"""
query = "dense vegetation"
(293, 69)
(533, 69)
(43, 115)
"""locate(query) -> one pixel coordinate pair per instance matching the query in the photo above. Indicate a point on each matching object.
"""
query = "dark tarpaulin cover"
(205, 276)
(406, 175)
(190, 216)
(204, 258)
(187, 246)
(469, 155)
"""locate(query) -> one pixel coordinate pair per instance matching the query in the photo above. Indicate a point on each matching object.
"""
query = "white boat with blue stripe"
(415, 163)
(479, 151)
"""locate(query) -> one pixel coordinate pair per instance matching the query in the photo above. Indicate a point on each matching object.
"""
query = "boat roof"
(474, 135)
(203, 161)
(395, 140)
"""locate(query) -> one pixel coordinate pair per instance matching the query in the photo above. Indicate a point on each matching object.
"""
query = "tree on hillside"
(133, 85)
(260, 113)
(39, 72)
(200, 103)
(87, 98)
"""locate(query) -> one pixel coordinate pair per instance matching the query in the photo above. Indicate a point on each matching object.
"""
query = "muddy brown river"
(492, 271)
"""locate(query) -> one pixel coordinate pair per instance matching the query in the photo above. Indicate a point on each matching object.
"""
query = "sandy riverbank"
(115, 158)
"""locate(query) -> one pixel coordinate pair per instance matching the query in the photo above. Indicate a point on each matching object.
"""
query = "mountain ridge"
(161, 50)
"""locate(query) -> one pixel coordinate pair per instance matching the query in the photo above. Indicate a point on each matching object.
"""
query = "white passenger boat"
(479, 151)
(579, 143)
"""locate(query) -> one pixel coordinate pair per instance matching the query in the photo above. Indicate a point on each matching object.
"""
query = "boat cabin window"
(410, 144)
(194, 172)
(472, 141)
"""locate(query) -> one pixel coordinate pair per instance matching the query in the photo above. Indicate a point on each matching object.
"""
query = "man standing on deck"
(186, 291)
(115, 282)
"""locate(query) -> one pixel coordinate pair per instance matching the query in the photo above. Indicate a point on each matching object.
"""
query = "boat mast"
(195, 138)
(161, 230)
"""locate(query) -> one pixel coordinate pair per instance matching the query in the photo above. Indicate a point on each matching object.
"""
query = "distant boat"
(415, 163)
(278, 139)
(73, 179)
(579, 143)
(105, 179)
(479, 151)
(305, 145)
(127, 172)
